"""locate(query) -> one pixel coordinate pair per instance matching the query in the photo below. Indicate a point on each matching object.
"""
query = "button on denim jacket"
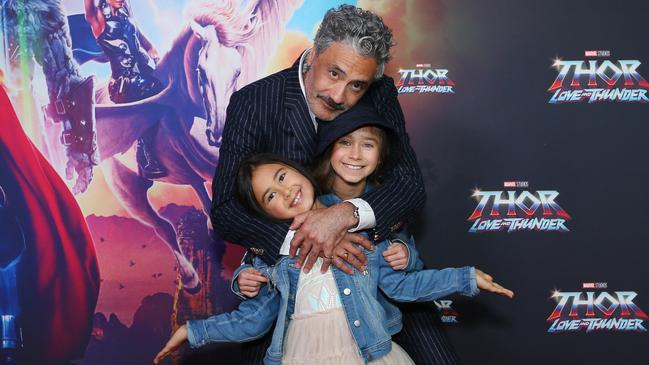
(372, 319)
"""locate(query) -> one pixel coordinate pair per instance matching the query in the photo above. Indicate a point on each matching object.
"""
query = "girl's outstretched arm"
(251, 320)
(179, 337)
(426, 285)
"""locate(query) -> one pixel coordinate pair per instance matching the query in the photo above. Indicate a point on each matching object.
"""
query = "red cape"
(58, 280)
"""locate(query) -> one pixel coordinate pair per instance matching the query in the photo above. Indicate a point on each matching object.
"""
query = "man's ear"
(310, 57)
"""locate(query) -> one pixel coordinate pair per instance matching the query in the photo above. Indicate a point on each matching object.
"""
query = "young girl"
(331, 317)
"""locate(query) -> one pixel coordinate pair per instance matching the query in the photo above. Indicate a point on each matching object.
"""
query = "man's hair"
(361, 29)
(244, 180)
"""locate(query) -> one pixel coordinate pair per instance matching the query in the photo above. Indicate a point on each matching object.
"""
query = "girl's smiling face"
(356, 156)
(281, 191)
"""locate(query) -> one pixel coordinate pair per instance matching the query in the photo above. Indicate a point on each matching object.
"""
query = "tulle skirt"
(324, 338)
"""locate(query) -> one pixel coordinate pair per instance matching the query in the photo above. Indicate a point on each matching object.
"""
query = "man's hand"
(318, 231)
(178, 338)
(486, 282)
(396, 256)
(348, 251)
(250, 281)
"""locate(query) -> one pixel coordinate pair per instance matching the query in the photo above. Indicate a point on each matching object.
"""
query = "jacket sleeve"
(402, 195)
(425, 285)
(251, 320)
(242, 137)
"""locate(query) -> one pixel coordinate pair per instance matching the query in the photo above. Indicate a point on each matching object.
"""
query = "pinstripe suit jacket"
(271, 115)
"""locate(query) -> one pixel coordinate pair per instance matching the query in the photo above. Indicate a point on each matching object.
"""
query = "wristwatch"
(357, 215)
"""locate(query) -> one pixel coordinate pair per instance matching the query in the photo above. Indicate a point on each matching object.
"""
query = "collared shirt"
(366, 218)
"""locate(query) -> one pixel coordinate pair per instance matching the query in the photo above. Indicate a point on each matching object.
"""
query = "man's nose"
(338, 94)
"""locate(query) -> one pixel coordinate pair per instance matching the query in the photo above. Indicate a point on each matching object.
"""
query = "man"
(278, 114)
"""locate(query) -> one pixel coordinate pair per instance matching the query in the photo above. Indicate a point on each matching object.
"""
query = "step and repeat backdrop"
(529, 120)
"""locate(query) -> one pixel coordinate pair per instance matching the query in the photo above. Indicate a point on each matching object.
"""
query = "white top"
(316, 292)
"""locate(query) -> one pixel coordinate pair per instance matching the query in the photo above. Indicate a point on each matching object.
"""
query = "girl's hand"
(178, 338)
(396, 256)
(486, 282)
(250, 281)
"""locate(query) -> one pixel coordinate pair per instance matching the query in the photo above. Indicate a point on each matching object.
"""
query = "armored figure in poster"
(37, 31)
(131, 80)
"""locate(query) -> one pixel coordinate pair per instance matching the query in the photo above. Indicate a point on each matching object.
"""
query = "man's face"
(337, 79)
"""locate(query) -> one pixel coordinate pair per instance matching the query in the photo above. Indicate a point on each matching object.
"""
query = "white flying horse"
(224, 47)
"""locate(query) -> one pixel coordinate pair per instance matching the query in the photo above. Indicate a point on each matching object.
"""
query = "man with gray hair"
(280, 114)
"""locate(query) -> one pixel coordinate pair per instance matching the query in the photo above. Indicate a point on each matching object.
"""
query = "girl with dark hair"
(245, 192)
(326, 317)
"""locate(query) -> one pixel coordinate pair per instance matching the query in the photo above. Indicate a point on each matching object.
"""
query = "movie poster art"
(112, 116)
(529, 124)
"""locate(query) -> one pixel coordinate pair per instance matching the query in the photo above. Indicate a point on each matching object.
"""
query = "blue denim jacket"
(366, 315)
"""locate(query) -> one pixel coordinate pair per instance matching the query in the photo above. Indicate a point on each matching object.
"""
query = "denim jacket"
(401, 236)
(359, 293)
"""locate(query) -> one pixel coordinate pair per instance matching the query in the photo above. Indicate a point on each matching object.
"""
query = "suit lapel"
(297, 113)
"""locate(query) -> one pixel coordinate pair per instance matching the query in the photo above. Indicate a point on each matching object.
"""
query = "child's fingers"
(398, 264)
(249, 288)
(499, 289)
(391, 250)
(251, 271)
(247, 283)
(484, 274)
(254, 277)
(506, 292)
(162, 354)
(250, 293)
(395, 256)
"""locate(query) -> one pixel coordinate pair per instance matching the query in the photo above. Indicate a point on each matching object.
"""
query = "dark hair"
(244, 180)
(324, 174)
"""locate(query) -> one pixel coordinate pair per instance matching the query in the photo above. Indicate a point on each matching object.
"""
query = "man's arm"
(242, 137)
(402, 194)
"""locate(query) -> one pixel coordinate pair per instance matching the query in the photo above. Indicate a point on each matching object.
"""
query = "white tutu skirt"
(324, 338)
